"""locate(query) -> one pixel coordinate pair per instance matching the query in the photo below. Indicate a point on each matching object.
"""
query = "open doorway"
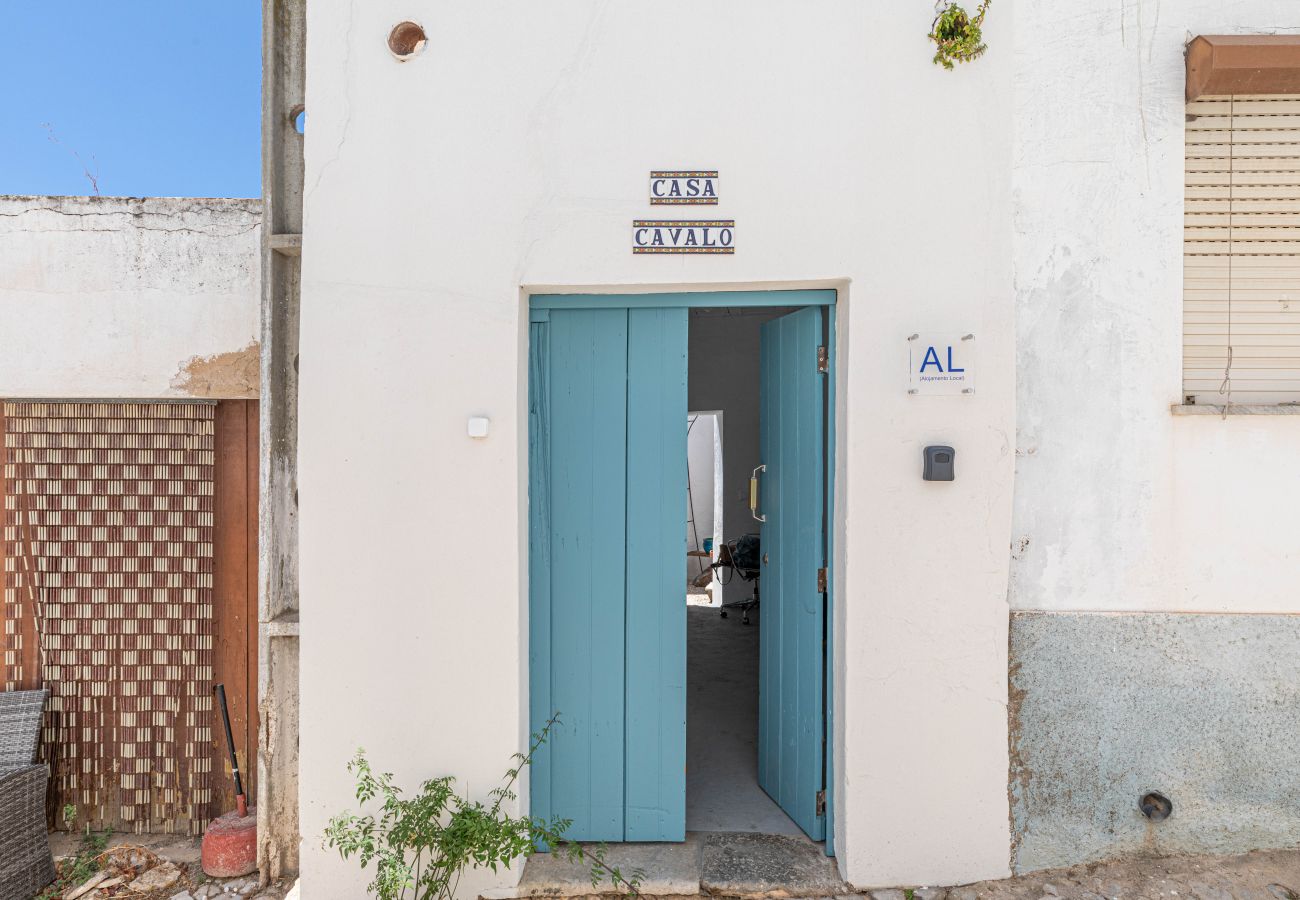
(677, 717)
(723, 637)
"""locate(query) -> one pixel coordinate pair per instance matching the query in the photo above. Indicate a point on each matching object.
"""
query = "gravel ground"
(1262, 875)
(184, 852)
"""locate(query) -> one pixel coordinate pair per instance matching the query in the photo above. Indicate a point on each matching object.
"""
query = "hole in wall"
(298, 116)
(406, 40)
(1155, 806)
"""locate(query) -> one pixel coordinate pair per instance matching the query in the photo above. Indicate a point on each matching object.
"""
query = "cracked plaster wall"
(129, 297)
(1120, 505)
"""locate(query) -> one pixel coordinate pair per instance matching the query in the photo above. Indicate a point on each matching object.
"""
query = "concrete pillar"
(283, 88)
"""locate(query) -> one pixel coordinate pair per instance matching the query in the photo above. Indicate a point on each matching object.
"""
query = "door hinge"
(823, 360)
(821, 581)
(821, 802)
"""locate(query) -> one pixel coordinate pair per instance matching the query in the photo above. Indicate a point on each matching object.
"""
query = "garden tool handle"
(241, 801)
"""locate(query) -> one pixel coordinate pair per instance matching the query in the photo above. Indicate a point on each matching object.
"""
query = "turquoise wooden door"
(792, 617)
(607, 618)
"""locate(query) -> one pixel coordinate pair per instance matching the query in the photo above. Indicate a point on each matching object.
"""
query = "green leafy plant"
(958, 35)
(425, 843)
(74, 872)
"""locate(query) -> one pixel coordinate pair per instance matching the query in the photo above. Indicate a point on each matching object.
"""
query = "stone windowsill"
(1237, 409)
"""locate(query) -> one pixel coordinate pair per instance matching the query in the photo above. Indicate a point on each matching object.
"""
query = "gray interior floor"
(722, 792)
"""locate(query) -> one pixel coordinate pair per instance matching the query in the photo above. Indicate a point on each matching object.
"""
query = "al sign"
(941, 364)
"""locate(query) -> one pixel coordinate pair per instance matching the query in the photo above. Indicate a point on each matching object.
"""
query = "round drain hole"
(1155, 806)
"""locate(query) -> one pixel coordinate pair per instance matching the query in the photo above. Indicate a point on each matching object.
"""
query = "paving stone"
(739, 864)
(159, 878)
(183, 895)
(669, 869)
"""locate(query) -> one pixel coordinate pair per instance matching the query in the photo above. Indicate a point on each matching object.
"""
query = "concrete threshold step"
(721, 864)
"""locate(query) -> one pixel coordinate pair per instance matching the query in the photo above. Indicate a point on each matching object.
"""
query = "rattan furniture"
(25, 862)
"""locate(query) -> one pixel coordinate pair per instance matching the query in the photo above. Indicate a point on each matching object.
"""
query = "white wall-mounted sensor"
(478, 426)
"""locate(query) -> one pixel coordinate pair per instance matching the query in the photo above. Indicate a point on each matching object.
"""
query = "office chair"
(743, 558)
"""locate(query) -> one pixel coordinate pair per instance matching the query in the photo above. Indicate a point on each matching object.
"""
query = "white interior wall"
(119, 297)
(702, 441)
(1120, 505)
(512, 156)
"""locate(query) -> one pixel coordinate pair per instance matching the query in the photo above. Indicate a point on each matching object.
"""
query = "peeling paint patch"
(233, 376)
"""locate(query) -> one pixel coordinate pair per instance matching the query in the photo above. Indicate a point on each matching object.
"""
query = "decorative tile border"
(684, 236)
(684, 188)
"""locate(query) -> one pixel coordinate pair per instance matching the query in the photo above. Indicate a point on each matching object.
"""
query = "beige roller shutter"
(1241, 250)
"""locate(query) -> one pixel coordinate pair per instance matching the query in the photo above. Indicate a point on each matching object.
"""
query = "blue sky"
(158, 98)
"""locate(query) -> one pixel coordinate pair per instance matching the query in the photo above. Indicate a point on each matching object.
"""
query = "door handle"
(753, 494)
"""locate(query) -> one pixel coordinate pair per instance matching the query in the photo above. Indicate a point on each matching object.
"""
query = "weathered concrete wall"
(284, 68)
(125, 297)
(1204, 709)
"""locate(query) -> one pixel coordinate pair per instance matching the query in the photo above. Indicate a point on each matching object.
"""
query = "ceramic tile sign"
(679, 188)
(941, 364)
(684, 236)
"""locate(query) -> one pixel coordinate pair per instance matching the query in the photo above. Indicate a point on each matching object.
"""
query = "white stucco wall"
(120, 297)
(512, 156)
(1119, 504)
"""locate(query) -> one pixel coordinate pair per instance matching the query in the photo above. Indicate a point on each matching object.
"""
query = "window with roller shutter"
(1241, 246)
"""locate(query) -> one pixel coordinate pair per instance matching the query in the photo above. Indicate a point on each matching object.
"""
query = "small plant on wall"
(958, 35)
(421, 846)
